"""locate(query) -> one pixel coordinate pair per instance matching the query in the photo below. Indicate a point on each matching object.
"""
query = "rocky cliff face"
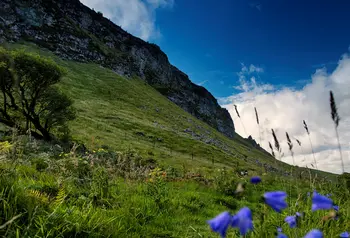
(73, 31)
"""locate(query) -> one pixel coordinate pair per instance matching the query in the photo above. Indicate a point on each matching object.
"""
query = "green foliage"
(345, 179)
(138, 186)
(224, 182)
(156, 187)
(29, 97)
(76, 196)
(100, 183)
(40, 164)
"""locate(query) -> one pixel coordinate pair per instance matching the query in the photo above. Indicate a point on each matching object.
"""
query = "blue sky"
(279, 56)
(288, 39)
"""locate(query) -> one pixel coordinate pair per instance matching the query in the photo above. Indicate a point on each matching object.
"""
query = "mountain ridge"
(73, 31)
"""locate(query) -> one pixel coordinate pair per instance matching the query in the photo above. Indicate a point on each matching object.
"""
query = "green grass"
(113, 110)
(66, 200)
(47, 190)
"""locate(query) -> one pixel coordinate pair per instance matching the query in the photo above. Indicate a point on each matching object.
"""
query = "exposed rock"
(252, 141)
(73, 31)
(139, 133)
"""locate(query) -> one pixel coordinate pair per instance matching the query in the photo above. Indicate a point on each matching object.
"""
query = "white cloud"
(245, 71)
(161, 3)
(284, 110)
(253, 68)
(135, 16)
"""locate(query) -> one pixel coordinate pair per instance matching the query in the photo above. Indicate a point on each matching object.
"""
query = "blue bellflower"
(281, 235)
(314, 234)
(345, 235)
(243, 220)
(276, 200)
(255, 180)
(320, 202)
(291, 220)
(220, 223)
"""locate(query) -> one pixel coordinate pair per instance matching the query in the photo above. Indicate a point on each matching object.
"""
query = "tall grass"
(272, 151)
(290, 147)
(312, 148)
(277, 145)
(239, 116)
(117, 194)
(309, 170)
(336, 119)
(258, 123)
(301, 148)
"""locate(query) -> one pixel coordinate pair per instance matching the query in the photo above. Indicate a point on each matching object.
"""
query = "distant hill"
(73, 31)
(128, 114)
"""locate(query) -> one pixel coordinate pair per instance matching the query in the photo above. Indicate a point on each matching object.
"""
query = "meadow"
(137, 165)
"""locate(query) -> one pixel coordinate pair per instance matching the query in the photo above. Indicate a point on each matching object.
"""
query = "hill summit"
(74, 31)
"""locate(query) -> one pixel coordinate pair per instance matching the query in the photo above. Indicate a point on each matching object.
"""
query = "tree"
(29, 97)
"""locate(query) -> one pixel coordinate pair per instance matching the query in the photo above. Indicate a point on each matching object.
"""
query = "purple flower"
(281, 235)
(336, 208)
(291, 220)
(321, 202)
(243, 220)
(345, 235)
(276, 200)
(255, 180)
(220, 223)
(298, 214)
(314, 234)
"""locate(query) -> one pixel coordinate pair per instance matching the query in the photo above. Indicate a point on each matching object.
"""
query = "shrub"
(224, 182)
(29, 98)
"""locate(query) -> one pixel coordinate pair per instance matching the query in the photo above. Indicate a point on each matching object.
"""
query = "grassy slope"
(111, 109)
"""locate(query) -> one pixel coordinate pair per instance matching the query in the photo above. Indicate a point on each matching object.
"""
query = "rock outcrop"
(73, 31)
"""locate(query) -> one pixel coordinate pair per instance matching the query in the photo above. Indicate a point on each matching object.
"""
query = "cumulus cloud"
(135, 16)
(284, 110)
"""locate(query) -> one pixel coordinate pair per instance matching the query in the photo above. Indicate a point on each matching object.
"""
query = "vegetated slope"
(73, 31)
(127, 114)
(50, 192)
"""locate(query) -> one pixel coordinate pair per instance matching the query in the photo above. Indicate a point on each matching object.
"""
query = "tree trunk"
(46, 135)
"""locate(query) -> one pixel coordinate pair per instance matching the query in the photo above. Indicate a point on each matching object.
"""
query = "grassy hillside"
(128, 113)
(152, 170)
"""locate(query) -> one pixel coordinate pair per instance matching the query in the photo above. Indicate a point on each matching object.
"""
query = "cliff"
(73, 31)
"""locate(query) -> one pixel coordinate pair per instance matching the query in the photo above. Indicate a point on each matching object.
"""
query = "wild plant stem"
(293, 159)
(313, 153)
(309, 170)
(245, 132)
(341, 157)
